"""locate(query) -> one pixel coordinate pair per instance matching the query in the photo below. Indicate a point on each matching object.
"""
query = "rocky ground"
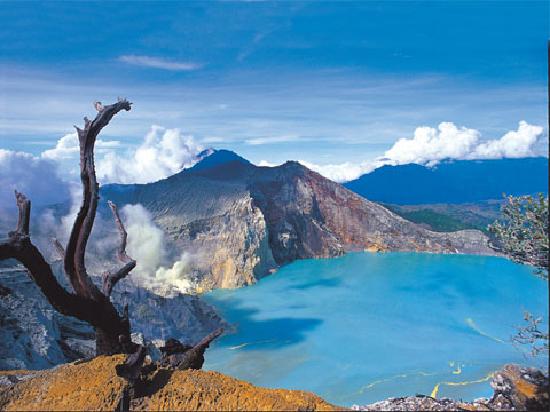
(516, 389)
(94, 385)
(35, 336)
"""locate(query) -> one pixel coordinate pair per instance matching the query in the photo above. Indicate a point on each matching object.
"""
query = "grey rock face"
(242, 221)
(33, 335)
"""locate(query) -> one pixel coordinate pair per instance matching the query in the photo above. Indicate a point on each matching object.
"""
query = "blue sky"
(324, 82)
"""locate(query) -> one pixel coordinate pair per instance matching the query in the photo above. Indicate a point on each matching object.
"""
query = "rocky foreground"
(94, 385)
(516, 389)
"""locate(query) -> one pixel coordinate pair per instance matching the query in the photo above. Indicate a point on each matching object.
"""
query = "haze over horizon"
(336, 86)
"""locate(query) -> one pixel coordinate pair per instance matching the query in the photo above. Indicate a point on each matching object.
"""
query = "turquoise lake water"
(364, 327)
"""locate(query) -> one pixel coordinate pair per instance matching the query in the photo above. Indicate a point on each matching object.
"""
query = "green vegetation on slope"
(449, 218)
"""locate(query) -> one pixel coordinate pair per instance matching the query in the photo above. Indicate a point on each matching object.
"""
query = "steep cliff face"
(33, 335)
(362, 224)
(231, 246)
(215, 221)
(241, 220)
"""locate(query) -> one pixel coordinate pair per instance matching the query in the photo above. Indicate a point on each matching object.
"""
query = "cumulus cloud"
(451, 142)
(159, 63)
(265, 163)
(429, 145)
(516, 143)
(342, 172)
(67, 147)
(163, 152)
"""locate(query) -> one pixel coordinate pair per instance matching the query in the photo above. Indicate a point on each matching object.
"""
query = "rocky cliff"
(243, 220)
(33, 335)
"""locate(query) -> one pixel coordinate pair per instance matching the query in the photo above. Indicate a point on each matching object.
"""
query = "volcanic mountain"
(241, 221)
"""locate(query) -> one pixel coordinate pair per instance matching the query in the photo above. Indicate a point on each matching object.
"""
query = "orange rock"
(94, 385)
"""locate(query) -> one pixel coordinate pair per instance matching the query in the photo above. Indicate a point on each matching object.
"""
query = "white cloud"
(67, 147)
(342, 172)
(518, 143)
(159, 63)
(429, 146)
(35, 177)
(265, 163)
(271, 139)
(163, 152)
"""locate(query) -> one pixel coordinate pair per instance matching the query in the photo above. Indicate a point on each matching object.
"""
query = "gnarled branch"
(19, 246)
(88, 303)
(24, 217)
(76, 248)
(131, 367)
(59, 249)
(111, 279)
(194, 357)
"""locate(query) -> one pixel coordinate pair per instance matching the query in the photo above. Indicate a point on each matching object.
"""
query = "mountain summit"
(240, 221)
(212, 158)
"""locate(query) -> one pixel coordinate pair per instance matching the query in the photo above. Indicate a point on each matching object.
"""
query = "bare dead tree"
(87, 302)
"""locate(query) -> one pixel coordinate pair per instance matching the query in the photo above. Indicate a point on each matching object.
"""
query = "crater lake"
(364, 327)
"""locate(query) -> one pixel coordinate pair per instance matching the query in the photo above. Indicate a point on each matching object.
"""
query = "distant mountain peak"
(213, 158)
(453, 181)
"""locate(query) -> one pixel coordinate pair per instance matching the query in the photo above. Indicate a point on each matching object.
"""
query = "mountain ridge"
(453, 181)
(242, 221)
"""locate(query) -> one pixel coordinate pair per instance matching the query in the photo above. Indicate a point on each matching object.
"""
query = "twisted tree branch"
(194, 357)
(19, 246)
(111, 279)
(59, 249)
(75, 253)
(24, 216)
(88, 303)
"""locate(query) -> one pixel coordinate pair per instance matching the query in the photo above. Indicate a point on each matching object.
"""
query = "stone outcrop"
(515, 389)
(242, 221)
(33, 335)
(94, 385)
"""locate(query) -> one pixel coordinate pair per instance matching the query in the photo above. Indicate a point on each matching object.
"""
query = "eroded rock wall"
(239, 221)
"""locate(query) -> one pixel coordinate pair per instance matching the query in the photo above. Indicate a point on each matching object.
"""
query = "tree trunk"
(108, 344)
(88, 303)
